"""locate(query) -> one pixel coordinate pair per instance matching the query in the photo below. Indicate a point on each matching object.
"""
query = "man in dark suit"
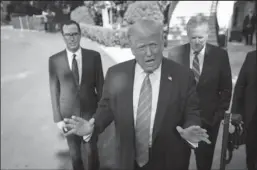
(76, 81)
(249, 25)
(245, 103)
(154, 108)
(212, 71)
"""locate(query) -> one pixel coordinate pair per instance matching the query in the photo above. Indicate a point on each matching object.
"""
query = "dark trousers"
(249, 38)
(151, 165)
(204, 153)
(84, 156)
(46, 26)
(251, 146)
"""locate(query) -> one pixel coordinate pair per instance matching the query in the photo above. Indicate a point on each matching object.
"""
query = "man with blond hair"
(212, 72)
(154, 108)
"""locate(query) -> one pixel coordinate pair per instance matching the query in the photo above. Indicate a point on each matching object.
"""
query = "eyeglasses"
(71, 34)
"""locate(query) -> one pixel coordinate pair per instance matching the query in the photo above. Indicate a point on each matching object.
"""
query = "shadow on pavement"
(63, 156)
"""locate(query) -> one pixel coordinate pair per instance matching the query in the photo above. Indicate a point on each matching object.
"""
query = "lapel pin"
(170, 78)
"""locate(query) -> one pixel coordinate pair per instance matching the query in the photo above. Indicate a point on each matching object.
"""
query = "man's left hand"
(194, 134)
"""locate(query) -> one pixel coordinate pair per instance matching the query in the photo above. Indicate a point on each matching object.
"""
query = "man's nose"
(197, 40)
(148, 51)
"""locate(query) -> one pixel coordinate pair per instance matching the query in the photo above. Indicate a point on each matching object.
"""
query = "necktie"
(143, 118)
(196, 67)
(75, 69)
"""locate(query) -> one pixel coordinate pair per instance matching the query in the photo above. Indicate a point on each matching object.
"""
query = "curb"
(118, 54)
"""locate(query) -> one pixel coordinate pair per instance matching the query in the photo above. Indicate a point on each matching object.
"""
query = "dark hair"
(70, 22)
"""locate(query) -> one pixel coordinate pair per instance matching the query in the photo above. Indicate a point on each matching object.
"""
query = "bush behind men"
(76, 81)
(211, 67)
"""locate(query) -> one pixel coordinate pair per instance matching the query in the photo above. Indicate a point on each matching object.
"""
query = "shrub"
(143, 9)
(82, 15)
(105, 36)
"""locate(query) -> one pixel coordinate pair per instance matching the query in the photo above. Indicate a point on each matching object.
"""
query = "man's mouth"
(151, 61)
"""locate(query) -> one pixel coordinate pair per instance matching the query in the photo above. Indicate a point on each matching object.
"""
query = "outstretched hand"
(79, 126)
(194, 134)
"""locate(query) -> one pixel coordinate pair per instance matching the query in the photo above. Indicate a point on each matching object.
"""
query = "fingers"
(77, 119)
(69, 126)
(92, 121)
(180, 129)
(197, 129)
(206, 140)
(70, 121)
(72, 131)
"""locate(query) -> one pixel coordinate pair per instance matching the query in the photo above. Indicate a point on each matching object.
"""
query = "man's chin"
(75, 48)
(150, 68)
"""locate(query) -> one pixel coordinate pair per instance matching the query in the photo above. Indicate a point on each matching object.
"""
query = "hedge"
(110, 37)
(82, 15)
(143, 9)
(105, 36)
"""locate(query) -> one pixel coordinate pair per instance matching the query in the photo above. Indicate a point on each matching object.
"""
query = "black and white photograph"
(128, 85)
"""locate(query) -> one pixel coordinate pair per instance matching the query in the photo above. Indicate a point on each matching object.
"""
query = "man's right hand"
(79, 126)
(61, 125)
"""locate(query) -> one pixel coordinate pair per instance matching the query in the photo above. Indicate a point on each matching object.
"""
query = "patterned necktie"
(196, 67)
(143, 118)
(75, 69)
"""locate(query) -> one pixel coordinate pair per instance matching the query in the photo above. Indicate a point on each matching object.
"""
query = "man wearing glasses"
(76, 81)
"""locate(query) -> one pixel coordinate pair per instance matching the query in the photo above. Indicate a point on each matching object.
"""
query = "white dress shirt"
(200, 57)
(78, 58)
(155, 82)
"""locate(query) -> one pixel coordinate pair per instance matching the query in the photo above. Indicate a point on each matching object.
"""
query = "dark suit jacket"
(177, 105)
(245, 94)
(215, 83)
(69, 98)
(247, 21)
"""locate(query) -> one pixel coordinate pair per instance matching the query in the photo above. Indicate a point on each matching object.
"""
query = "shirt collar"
(201, 52)
(70, 54)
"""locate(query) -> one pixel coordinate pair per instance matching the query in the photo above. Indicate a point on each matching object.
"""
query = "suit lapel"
(186, 55)
(67, 67)
(166, 96)
(65, 60)
(206, 65)
(83, 64)
(127, 99)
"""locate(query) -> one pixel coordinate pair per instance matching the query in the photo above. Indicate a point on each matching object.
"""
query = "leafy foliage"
(82, 14)
(143, 9)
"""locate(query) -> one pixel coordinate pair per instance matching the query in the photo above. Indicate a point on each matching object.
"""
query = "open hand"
(79, 126)
(194, 134)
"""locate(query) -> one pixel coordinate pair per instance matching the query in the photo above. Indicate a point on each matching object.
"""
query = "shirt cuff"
(60, 125)
(194, 145)
(87, 138)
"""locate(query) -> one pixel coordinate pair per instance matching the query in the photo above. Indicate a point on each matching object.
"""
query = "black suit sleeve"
(54, 91)
(238, 97)
(191, 112)
(225, 85)
(104, 115)
(99, 78)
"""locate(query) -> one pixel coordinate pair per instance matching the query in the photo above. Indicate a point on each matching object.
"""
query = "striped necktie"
(196, 67)
(143, 118)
